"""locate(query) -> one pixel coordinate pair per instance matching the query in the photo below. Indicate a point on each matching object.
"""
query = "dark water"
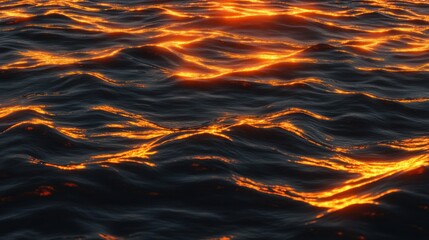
(214, 119)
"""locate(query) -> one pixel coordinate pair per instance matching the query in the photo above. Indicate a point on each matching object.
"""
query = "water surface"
(214, 119)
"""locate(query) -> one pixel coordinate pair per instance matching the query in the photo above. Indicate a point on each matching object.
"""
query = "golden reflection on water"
(108, 237)
(171, 36)
(5, 111)
(157, 136)
(71, 132)
(259, 53)
(350, 192)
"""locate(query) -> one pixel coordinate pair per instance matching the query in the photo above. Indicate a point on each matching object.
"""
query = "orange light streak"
(350, 192)
(71, 132)
(157, 136)
(258, 53)
(5, 111)
(34, 59)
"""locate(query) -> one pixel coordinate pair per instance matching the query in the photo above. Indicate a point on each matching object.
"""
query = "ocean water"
(215, 120)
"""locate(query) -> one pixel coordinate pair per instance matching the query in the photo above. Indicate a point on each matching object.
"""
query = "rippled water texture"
(214, 120)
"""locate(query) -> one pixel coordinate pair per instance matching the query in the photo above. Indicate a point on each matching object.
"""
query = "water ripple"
(244, 119)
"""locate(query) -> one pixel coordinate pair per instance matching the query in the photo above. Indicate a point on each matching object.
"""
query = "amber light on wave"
(356, 190)
(258, 53)
(40, 109)
(178, 38)
(158, 135)
(352, 191)
(34, 59)
(5, 111)
(155, 136)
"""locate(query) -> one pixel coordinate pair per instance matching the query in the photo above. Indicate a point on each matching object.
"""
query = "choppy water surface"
(214, 119)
